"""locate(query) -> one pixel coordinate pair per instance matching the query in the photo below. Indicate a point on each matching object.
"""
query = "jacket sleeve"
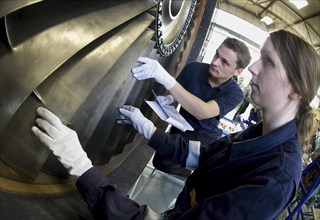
(103, 199)
(170, 146)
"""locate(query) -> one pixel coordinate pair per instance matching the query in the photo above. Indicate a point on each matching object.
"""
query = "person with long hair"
(252, 174)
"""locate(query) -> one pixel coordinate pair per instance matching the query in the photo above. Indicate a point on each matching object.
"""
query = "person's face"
(224, 64)
(270, 84)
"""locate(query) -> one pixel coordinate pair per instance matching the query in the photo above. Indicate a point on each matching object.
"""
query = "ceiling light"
(267, 20)
(299, 3)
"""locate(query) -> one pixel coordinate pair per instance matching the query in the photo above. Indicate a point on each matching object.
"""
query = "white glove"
(132, 115)
(165, 100)
(62, 141)
(152, 69)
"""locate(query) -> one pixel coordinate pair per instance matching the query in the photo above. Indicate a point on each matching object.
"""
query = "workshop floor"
(156, 189)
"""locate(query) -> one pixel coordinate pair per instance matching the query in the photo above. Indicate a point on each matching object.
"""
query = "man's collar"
(221, 86)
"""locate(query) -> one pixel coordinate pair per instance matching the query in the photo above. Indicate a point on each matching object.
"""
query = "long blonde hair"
(302, 65)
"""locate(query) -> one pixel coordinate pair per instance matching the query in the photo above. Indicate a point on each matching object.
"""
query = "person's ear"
(238, 72)
(294, 95)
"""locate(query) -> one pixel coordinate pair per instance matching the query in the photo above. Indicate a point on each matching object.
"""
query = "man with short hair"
(206, 93)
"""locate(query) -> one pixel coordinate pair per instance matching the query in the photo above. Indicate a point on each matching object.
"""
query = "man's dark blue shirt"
(195, 79)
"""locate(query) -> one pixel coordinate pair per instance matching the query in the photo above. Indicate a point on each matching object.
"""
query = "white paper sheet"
(170, 114)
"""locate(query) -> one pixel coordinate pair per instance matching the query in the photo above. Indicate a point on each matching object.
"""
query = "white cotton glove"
(165, 100)
(152, 69)
(132, 115)
(62, 141)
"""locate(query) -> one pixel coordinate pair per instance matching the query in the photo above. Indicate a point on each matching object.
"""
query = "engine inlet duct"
(172, 19)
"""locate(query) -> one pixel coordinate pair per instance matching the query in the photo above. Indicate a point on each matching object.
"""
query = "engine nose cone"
(172, 22)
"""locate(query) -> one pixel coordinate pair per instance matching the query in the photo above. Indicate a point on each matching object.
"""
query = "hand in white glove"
(165, 100)
(152, 69)
(132, 115)
(62, 141)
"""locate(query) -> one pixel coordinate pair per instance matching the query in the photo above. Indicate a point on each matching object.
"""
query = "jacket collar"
(249, 142)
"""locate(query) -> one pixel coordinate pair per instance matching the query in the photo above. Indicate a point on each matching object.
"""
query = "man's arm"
(194, 105)
(191, 103)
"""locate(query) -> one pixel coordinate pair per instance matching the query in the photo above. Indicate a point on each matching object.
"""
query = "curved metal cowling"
(75, 58)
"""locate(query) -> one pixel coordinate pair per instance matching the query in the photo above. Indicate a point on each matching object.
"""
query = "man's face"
(224, 64)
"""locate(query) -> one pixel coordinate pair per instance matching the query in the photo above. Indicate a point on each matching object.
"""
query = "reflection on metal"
(173, 19)
(99, 147)
(38, 96)
(9, 6)
(41, 46)
(104, 95)
(73, 57)
(65, 90)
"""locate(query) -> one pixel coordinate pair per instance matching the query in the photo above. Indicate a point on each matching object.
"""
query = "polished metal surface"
(65, 90)
(105, 92)
(173, 19)
(104, 96)
(9, 6)
(105, 139)
(73, 57)
(38, 46)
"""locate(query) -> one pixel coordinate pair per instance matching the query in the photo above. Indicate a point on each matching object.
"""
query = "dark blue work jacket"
(243, 176)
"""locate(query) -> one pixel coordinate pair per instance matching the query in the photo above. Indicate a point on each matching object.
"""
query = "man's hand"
(62, 141)
(132, 115)
(152, 69)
